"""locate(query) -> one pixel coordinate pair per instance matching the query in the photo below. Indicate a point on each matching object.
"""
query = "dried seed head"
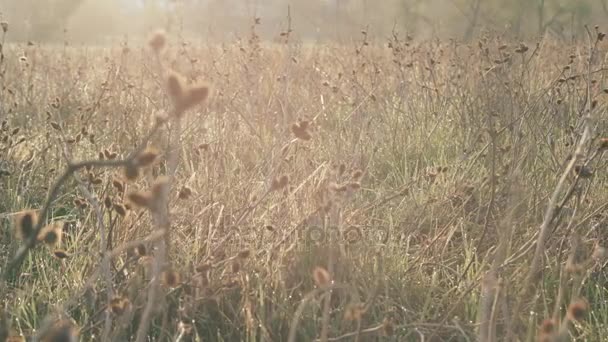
(244, 254)
(357, 174)
(25, 224)
(61, 331)
(583, 171)
(577, 310)
(140, 250)
(157, 41)
(236, 266)
(388, 328)
(354, 312)
(600, 254)
(547, 327)
(171, 279)
(184, 193)
(147, 157)
(52, 233)
(141, 199)
(279, 183)
(107, 202)
(131, 172)
(160, 186)
(603, 144)
(202, 268)
(4, 26)
(118, 184)
(119, 305)
(120, 209)
(60, 254)
(192, 97)
(321, 276)
(175, 88)
(300, 130)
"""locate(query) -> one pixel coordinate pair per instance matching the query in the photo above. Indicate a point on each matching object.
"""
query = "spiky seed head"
(147, 157)
(171, 278)
(131, 172)
(300, 130)
(118, 184)
(341, 169)
(119, 305)
(357, 174)
(547, 326)
(120, 209)
(25, 224)
(175, 88)
(244, 254)
(604, 144)
(107, 202)
(51, 234)
(202, 268)
(141, 199)
(321, 276)
(577, 310)
(192, 97)
(159, 187)
(140, 250)
(60, 254)
(354, 312)
(184, 193)
(388, 327)
(600, 253)
(157, 41)
(279, 183)
(61, 331)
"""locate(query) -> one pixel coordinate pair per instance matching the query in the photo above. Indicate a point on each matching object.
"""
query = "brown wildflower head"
(388, 327)
(131, 171)
(547, 327)
(193, 96)
(120, 209)
(60, 254)
(160, 186)
(171, 278)
(60, 331)
(300, 130)
(147, 157)
(577, 310)
(119, 305)
(51, 234)
(321, 276)
(184, 193)
(603, 144)
(141, 199)
(354, 312)
(244, 254)
(279, 183)
(140, 250)
(157, 41)
(25, 223)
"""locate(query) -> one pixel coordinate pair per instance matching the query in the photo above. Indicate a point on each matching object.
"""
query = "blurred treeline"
(97, 21)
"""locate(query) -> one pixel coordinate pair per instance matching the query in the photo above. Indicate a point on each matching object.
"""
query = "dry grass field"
(380, 190)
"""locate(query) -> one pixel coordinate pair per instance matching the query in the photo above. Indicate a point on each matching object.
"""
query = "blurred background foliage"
(96, 21)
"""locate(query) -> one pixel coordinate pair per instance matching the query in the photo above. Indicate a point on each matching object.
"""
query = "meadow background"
(404, 171)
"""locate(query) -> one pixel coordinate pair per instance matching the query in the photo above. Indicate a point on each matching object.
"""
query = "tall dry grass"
(379, 190)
